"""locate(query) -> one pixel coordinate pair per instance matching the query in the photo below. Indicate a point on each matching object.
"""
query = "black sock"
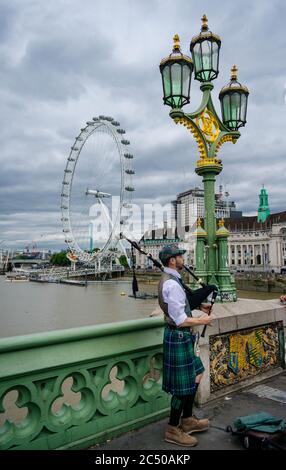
(177, 404)
(189, 403)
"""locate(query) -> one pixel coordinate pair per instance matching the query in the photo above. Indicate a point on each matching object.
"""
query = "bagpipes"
(195, 297)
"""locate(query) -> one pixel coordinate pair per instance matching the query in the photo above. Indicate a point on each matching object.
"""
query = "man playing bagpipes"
(182, 369)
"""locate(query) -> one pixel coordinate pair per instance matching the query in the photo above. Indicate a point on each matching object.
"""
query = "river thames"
(31, 307)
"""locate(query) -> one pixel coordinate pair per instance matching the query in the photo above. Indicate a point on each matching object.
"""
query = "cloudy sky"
(64, 61)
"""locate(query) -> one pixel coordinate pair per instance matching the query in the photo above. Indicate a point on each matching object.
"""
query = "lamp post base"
(227, 287)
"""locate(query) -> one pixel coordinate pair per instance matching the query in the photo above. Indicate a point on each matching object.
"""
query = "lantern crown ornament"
(176, 71)
(200, 231)
(205, 48)
(222, 231)
(233, 98)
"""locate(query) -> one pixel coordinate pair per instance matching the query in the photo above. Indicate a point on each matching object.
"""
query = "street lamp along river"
(210, 132)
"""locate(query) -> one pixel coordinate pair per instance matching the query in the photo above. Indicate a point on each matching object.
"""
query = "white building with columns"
(257, 246)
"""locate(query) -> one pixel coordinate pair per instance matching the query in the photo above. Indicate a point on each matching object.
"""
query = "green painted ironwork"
(113, 370)
(213, 269)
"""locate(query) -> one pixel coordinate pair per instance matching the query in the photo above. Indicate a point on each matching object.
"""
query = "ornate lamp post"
(210, 132)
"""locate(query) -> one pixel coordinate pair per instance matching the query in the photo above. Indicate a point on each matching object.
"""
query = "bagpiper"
(182, 369)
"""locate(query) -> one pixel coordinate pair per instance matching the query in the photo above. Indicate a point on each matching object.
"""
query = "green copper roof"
(263, 209)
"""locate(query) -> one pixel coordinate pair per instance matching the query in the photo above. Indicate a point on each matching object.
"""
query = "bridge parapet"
(77, 387)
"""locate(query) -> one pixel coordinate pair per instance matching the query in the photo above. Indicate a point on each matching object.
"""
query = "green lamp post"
(210, 132)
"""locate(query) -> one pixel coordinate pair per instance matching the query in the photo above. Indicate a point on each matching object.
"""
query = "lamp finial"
(234, 71)
(176, 45)
(204, 23)
(221, 222)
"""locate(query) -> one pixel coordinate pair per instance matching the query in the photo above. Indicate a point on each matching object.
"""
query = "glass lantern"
(205, 49)
(233, 98)
(176, 71)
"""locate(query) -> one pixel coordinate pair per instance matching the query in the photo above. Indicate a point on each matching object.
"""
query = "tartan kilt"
(180, 365)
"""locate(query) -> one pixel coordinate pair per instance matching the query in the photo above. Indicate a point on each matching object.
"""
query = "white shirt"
(175, 296)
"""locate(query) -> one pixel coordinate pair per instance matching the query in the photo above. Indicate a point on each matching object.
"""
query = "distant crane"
(33, 248)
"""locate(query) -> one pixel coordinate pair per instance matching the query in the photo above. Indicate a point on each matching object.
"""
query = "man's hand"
(205, 308)
(194, 321)
(206, 319)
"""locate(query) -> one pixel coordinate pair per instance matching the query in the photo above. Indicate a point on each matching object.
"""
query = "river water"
(31, 307)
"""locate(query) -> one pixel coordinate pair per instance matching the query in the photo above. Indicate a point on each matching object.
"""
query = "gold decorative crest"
(208, 124)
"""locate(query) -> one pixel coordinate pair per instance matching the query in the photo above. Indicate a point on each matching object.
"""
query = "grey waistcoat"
(164, 305)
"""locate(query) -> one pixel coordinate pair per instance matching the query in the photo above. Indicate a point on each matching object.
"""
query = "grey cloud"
(63, 62)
